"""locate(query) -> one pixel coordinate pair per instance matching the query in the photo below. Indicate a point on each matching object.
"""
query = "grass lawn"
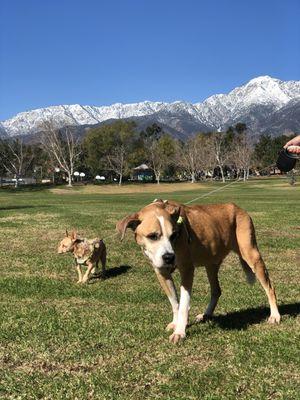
(106, 340)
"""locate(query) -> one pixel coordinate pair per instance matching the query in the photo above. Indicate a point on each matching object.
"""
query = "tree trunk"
(157, 176)
(222, 173)
(245, 174)
(120, 179)
(193, 177)
(70, 179)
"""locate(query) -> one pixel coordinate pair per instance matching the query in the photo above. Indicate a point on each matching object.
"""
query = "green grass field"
(106, 340)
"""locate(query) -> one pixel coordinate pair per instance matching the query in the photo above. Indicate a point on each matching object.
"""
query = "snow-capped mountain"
(255, 103)
(264, 93)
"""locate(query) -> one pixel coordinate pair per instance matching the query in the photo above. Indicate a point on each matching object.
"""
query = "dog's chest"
(86, 250)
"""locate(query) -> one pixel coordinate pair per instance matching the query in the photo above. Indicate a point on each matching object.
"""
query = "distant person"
(293, 142)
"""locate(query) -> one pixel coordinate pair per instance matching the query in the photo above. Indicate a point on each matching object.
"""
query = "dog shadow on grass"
(239, 320)
(111, 273)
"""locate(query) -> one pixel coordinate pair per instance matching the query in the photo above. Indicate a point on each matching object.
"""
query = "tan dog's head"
(156, 229)
(67, 243)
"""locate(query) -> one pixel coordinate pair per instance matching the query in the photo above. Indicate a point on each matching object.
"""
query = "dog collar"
(180, 221)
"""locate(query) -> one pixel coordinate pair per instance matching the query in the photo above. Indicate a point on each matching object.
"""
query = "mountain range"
(264, 104)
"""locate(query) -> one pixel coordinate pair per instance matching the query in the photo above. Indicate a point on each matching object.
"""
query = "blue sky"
(102, 52)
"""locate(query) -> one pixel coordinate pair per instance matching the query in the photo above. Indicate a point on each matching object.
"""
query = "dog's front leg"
(79, 270)
(88, 272)
(165, 279)
(187, 276)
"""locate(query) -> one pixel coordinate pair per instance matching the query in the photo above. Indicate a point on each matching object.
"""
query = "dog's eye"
(153, 236)
(174, 236)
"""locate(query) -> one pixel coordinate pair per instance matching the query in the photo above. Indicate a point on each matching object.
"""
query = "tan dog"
(86, 252)
(171, 234)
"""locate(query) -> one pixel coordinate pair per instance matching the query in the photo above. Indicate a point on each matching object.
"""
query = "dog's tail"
(250, 275)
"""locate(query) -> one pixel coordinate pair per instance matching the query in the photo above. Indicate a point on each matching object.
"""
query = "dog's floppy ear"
(158, 201)
(73, 236)
(131, 221)
(175, 210)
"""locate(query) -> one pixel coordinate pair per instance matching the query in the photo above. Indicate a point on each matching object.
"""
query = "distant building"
(142, 173)
(6, 181)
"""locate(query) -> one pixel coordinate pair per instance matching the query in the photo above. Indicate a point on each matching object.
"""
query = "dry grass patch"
(131, 188)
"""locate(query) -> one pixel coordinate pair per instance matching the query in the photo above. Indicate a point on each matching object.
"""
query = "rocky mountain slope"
(265, 104)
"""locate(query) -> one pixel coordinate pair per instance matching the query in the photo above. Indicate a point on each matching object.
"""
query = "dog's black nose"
(169, 258)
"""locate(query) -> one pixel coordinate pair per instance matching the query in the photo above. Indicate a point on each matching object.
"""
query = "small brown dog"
(86, 252)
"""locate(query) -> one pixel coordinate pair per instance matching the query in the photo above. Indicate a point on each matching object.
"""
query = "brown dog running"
(86, 252)
(174, 235)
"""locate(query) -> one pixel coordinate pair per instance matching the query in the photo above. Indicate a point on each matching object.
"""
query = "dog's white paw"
(274, 319)
(176, 337)
(171, 326)
(202, 317)
(78, 282)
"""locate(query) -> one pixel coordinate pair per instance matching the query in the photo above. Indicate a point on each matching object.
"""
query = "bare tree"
(117, 161)
(195, 156)
(62, 146)
(192, 156)
(156, 160)
(242, 153)
(15, 157)
(160, 154)
(186, 158)
(220, 151)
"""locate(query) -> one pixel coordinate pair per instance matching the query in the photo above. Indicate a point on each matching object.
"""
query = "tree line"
(113, 150)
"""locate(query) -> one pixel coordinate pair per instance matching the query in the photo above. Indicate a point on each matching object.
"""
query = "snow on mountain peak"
(214, 112)
(261, 79)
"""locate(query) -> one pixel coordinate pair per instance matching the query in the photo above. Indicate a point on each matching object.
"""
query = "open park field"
(106, 340)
